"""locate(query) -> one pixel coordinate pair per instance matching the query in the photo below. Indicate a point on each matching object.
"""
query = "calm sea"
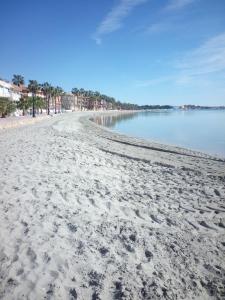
(202, 130)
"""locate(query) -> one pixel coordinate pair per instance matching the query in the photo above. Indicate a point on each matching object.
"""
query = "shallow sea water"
(202, 130)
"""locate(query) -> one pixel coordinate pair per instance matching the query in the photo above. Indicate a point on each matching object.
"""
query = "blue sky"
(142, 51)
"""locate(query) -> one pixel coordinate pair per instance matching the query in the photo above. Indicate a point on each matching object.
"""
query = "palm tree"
(18, 80)
(24, 104)
(33, 87)
(39, 103)
(51, 97)
(97, 94)
(58, 93)
(83, 101)
(90, 93)
(82, 91)
(47, 89)
(76, 92)
(6, 107)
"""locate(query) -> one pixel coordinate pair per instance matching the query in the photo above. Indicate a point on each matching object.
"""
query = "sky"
(138, 51)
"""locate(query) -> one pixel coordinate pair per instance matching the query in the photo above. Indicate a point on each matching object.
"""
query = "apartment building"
(71, 102)
(9, 90)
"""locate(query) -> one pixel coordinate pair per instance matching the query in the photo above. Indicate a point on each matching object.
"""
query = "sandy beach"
(13, 122)
(86, 213)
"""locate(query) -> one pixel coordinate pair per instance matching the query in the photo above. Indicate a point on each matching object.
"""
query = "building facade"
(9, 90)
(71, 102)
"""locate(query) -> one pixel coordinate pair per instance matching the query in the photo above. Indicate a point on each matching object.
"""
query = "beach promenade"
(86, 213)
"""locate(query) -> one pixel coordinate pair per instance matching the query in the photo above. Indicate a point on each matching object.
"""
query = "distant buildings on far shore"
(191, 107)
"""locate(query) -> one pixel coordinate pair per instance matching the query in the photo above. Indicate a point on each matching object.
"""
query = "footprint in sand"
(34, 192)
(73, 294)
(32, 255)
(72, 227)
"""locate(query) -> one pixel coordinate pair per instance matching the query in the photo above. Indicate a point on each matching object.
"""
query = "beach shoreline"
(88, 213)
(172, 128)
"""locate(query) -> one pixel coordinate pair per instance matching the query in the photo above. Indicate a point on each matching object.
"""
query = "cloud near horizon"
(207, 59)
(114, 19)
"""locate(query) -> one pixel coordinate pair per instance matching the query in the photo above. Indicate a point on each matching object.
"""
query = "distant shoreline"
(16, 121)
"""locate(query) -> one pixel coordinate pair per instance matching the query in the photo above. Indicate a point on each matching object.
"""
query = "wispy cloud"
(169, 21)
(208, 58)
(114, 19)
(158, 28)
(178, 4)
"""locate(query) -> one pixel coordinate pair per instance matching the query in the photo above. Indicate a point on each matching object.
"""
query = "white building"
(9, 90)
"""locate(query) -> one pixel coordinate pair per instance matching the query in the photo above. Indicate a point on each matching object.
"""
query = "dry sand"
(90, 214)
(12, 122)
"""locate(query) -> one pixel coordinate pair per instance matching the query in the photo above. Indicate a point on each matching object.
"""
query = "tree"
(53, 96)
(18, 80)
(97, 94)
(47, 90)
(33, 87)
(6, 107)
(89, 93)
(82, 91)
(76, 92)
(24, 104)
(39, 103)
(58, 93)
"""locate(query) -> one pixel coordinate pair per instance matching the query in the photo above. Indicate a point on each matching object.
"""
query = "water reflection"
(112, 120)
(202, 130)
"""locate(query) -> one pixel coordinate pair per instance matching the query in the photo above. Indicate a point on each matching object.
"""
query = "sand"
(12, 122)
(86, 213)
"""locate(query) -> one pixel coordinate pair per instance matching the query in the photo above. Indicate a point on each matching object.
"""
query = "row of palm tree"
(95, 95)
(50, 93)
(26, 103)
(92, 94)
